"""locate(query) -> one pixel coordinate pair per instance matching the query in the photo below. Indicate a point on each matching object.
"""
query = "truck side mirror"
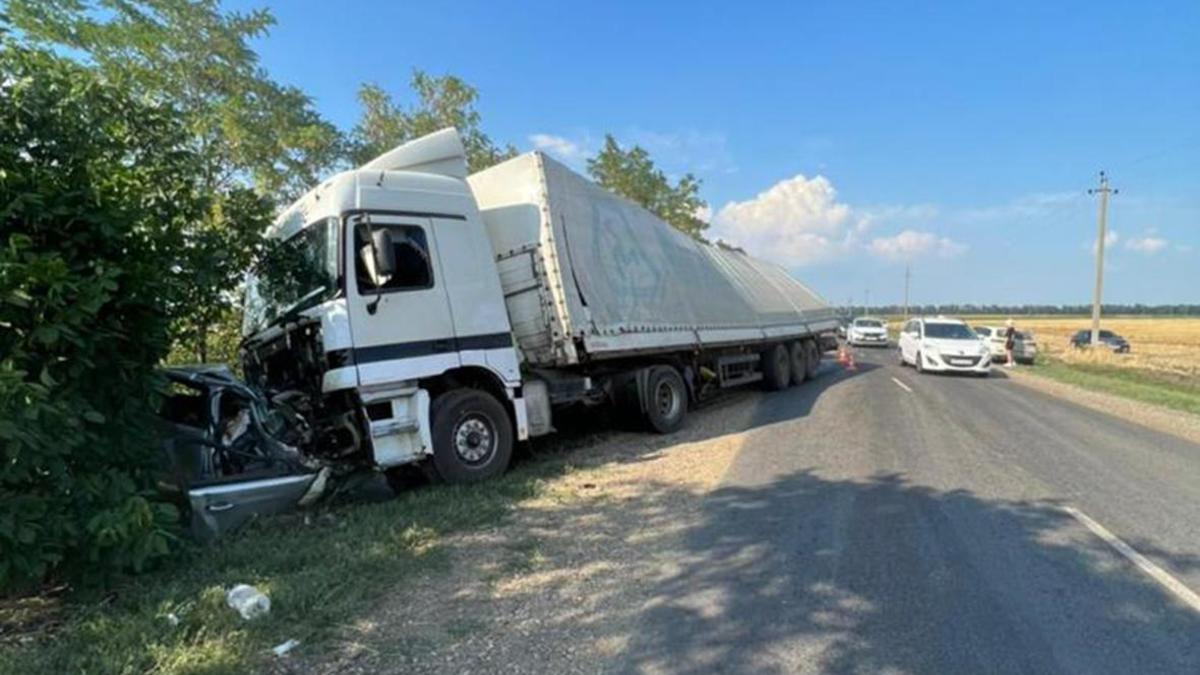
(383, 252)
(377, 253)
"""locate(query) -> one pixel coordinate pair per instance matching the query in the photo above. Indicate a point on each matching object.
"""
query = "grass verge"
(321, 573)
(1148, 387)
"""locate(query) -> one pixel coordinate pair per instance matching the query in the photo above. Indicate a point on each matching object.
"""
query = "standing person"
(1010, 338)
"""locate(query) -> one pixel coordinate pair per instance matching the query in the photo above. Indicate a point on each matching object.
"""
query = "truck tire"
(472, 436)
(776, 368)
(666, 399)
(814, 357)
(799, 355)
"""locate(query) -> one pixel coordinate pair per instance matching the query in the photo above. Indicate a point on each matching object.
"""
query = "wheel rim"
(475, 439)
(666, 399)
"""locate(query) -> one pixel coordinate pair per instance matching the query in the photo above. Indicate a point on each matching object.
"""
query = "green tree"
(100, 195)
(632, 174)
(243, 127)
(442, 102)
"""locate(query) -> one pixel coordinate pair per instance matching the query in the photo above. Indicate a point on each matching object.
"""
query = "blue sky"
(840, 139)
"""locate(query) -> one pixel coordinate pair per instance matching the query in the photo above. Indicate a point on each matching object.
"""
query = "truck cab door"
(481, 328)
(401, 323)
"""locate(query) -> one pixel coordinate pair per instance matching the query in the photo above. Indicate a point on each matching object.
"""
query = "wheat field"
(1164, 346)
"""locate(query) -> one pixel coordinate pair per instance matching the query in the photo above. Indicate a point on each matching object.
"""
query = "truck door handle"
(219, 507)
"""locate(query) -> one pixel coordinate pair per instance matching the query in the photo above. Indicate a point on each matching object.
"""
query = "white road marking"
(1158, 574)
(902, 385)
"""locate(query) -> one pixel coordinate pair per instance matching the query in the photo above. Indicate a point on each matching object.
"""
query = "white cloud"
(799, 221)
(1148, 244)
(563, 148)
(912, 244)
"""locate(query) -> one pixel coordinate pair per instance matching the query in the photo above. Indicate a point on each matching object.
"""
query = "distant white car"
(1025, 348)
(866, 331)
(942, 344)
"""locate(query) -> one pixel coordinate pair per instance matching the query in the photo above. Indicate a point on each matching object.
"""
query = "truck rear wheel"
(814, 357)
(799, 356)
(666, 399)
(776, 368)
(472, 436)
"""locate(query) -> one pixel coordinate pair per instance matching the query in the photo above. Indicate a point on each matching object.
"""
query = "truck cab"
(378, 313)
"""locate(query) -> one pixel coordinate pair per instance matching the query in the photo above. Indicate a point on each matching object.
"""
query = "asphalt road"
(937, 527)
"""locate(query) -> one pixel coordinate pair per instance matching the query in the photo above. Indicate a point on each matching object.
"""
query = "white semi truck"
(415, 315)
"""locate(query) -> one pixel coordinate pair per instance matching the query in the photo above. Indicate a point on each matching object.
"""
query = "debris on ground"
(284, 647)
(248, 601)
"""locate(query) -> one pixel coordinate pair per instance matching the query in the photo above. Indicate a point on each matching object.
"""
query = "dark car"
(229, 455)
(1108, 339)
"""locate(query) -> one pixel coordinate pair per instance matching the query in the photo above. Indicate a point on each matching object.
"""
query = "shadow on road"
(885, 576)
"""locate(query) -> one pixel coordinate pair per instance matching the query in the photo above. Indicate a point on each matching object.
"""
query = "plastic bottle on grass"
(248, 601)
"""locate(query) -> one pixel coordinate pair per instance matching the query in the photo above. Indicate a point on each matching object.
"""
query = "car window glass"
(949, 331)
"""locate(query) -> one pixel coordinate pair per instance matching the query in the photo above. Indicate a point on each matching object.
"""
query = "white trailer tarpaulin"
(613, 276)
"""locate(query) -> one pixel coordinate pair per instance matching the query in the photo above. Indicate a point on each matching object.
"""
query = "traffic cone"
(841, 355)
(850, 360)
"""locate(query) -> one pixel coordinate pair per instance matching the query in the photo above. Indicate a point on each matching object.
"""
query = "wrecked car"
(230, 455)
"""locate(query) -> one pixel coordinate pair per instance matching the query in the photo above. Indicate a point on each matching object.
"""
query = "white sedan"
(943, 344)
(865, 331)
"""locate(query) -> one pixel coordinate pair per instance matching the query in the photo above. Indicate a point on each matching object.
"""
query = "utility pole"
(1101, 232)
(866, 301)
(907, 278)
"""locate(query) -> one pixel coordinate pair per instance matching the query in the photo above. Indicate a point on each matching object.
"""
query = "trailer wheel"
(814, 358)
(777, 368)
(472, 436)
(799, 355)
(666, 399)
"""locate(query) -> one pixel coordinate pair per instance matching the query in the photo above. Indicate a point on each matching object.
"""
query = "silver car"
(229, 455)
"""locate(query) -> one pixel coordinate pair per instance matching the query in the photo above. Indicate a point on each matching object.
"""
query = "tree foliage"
(444, 101)
(191, 54)
(632, 174)
(99, 258)
(241, 125)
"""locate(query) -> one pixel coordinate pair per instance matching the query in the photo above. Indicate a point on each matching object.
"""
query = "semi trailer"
(413, 315)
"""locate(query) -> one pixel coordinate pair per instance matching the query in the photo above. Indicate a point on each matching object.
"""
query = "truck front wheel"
(666, 399)
(472, 436)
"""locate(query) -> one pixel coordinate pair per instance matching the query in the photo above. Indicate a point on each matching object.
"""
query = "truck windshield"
(299, 270)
